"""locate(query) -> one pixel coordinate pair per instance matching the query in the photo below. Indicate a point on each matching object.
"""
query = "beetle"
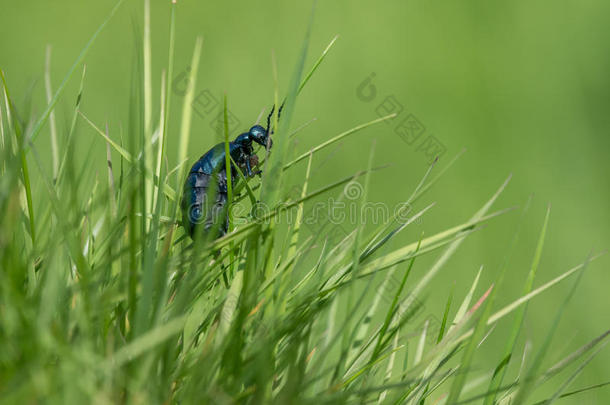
(198, 211)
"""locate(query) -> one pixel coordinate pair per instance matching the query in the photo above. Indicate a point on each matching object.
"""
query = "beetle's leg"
(248, 167)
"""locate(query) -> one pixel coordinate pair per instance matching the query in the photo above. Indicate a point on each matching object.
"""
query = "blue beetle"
(210, 170)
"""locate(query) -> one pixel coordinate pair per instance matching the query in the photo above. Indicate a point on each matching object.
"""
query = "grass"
(104, 300)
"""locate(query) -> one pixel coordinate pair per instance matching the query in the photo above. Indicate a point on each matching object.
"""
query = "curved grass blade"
(24, 163)
(167, 190)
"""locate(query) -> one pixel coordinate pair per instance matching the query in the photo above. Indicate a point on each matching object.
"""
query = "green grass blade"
(407, 205)
(578, 391)
(421, 191)
(528, 381)
(227, 158)
(24, 164)
(356, 351)
(244, 180)
(337, 139)
(229, 178)
(144, 343)
(294, 237)
(404, 253)
(500, 371)
(187, 112)
(441, 331)
(561, 365)
(525, 298)
(495, 317)
(573, 376)
(167, 190)
(461, 312)
(419, 350)
(389, 369)
(374, 246)
(460, 380)
(479, 215)
(317, 64)
(52, 124)
(160, 142)
(79, 99)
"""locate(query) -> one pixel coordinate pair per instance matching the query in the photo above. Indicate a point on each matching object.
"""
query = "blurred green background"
(523, 85)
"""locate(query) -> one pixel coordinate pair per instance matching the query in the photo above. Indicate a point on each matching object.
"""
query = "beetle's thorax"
(244, 140)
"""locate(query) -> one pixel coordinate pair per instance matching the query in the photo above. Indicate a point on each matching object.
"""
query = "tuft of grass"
(103, 299)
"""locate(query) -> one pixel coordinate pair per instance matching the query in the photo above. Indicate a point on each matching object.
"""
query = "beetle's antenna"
(279, 112)
(269, 118)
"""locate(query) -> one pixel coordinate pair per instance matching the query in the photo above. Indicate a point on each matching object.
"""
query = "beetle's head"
(260, 135)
